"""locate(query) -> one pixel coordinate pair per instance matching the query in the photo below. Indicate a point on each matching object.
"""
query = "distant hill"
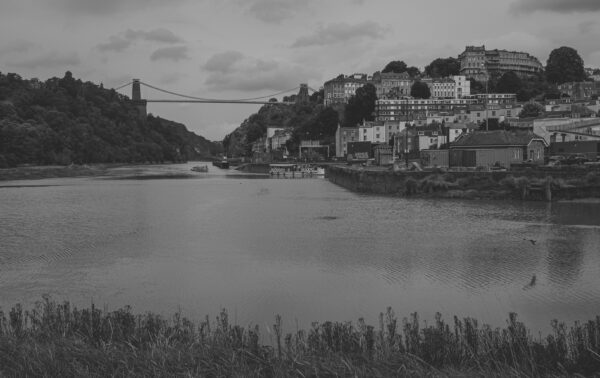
(64, 121)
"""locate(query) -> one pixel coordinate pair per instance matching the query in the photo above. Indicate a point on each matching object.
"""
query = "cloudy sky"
(234, 49)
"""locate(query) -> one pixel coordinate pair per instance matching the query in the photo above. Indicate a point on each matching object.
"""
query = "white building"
(373, 132)
(462, 86)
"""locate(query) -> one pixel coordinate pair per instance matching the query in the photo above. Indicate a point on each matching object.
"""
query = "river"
(302, 248)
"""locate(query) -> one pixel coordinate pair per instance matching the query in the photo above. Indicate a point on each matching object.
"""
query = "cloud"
(248, 74)
(560, 6)
(341, 32)
(223, 62)
(174, 53)
(155, 35)
(125, 39)
(586, 26)
(108, 7)
(115, 43)
(49, 60)
(19, 46)
(275, 11)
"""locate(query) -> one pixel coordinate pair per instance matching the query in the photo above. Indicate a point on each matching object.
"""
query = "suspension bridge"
(302, 95)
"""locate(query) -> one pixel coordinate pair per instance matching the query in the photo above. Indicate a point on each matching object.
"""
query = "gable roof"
(496, 138)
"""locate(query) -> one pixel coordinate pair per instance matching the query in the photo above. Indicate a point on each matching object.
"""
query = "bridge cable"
(122, 86)
(213, 99)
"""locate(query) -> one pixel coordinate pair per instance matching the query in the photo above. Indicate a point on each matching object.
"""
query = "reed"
(57, 339)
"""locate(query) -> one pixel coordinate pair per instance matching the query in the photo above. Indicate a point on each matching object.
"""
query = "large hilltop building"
(340, 89)
(478, 63)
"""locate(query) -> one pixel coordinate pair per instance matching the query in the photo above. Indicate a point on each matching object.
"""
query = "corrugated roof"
(495, 138)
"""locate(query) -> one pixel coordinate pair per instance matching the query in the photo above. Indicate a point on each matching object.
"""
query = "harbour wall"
(526, 184)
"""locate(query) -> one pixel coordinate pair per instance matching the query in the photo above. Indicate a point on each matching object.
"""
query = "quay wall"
(525, 184)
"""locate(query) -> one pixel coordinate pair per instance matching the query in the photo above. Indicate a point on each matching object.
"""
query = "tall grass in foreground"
(55, 339)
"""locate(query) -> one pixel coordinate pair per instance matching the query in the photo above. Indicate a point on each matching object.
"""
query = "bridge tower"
(136, 97)
(302, 97)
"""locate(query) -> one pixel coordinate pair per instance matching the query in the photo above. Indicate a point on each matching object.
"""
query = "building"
(396, 109)
(498, 146)
(340, 89)
(441, 88)
(480, 64)
(449, 87)
(279, 139)
(580, 90)
(455, 130)
(343, 136)
(590, 148)
(551, 129)
(373, 132)
(462, 86)
(392, 85)
(430, 137)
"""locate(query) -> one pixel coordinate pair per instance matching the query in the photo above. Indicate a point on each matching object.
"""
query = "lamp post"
(487, 78)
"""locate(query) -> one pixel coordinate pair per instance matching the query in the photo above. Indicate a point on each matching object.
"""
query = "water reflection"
(304, 248)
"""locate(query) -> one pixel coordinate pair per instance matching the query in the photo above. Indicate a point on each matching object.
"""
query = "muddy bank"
(43, 172)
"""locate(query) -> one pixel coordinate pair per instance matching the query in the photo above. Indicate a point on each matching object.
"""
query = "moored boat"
(223, 163)
(200, 168)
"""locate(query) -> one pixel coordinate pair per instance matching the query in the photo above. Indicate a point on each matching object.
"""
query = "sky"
(233, 49)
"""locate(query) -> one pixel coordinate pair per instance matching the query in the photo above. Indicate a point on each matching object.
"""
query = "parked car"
(575, 159)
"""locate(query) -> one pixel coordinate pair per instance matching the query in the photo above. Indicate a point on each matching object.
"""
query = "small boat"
(295, 170)
(223, 163)
(200, 168)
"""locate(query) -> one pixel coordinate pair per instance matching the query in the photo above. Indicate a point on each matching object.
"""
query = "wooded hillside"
(64, 121)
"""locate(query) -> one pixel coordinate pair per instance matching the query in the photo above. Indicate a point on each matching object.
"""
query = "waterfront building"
(340, 89)
(501, 146)
(344, 135)
(430, 137)
(279, 139)
(480, 64)
(393, 128)
(455, 130)
(551, 129)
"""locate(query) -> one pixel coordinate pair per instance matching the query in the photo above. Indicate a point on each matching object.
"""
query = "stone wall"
(530, 184)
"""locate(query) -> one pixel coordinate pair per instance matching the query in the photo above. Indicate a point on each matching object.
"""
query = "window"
(365, 138)
(377, 136)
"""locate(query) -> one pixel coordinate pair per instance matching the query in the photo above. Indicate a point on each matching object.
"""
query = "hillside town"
(456, 120)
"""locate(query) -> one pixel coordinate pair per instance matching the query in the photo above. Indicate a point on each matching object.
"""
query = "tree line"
(65, 120)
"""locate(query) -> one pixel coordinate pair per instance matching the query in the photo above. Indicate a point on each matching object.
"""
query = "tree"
(413, 71)
(441, 67)
(476, 86)
(564, 65)
(531, 109)
(396, 66)
(361, 106)
(420, 90)
(509, 83)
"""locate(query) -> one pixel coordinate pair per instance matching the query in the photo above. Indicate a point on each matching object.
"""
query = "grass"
(57, 339)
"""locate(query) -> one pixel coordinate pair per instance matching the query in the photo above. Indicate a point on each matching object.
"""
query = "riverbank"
(56, 339)
(54, 171)
(540, 185)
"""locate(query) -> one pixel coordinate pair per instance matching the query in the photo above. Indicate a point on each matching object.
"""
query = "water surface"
(302, 248)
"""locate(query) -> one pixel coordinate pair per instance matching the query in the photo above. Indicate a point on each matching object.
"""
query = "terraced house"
(480, 64)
